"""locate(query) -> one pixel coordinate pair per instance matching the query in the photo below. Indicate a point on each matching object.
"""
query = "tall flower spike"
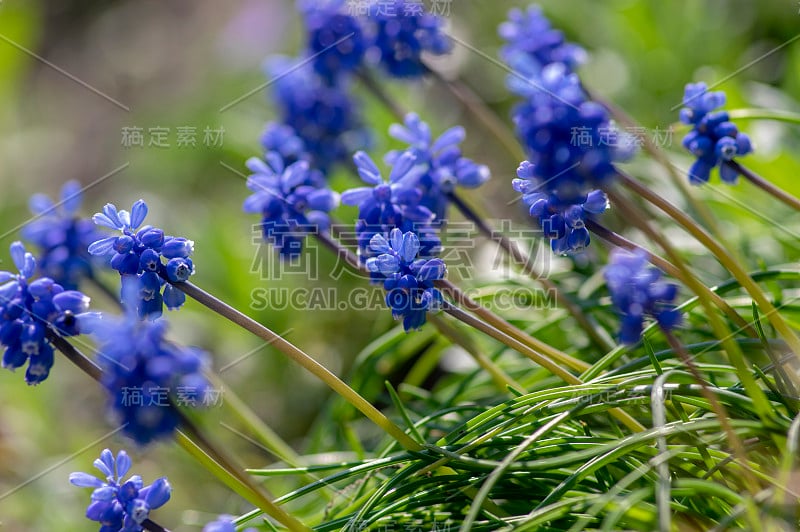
(61, 236)
(714, 139)
(325, 117)
(146, 375)
(409, 280)
(336, 40)
(120, 506)
(401, 31)
(143, 256)
(439, 165)
(390, 204)
(638, 292)
(28, 309)
(293, 201)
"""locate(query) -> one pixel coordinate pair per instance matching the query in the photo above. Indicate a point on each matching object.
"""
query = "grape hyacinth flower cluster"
(401, 31)
(293, 201)
(439, 164)
(120, 506)
(570, 140)
(714, 139)
(387, 205)
(144, 373)
(410, 292)
(28, 309)
(62, 237)
(638, 292)
(564, 223)
(144, 257)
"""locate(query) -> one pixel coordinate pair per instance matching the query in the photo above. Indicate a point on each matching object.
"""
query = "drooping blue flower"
(529, 33)
(638, 292)
(563, 223)
(61, 236)
(336, 41)
(293, 201)
(401, 31)
(28, 309)
(439, 165)
(120, 506)
(410, 292)
(146, 375)
(325, 117)
(225, 523)
(714, 139)
(386, 205)
(144, 255)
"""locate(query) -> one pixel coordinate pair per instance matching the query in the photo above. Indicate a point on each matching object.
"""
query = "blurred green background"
(74, 74)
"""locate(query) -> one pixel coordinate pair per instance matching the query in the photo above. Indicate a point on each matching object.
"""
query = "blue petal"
(454, 135)
(71, 197)
(17, 250)
(105, 493)
(402, 166)
(409, 248)
(138, 213)
(40, 204)
(123, 464)
(367, 168)
(356, 196)
(379, 244)
(101, 219)
(158, 493)
(396, 239)
(85, 480)
(103, 246)
(111, 214)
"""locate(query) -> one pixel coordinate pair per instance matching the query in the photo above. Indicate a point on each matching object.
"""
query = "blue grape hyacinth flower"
(293, 201)
(714, 139)
(439, 164)
(390, 204)
(563, 223)
(638, 292)
(401, 31)
(145, 256)
(120, 506)
(335, 39)
(61, 236)
(28, 309)
(283, 140)
(529, 33)
(410, 292)
(146, 375)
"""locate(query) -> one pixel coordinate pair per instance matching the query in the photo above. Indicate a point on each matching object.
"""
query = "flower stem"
(510, 248)
(368, 80)
(777, 192)
(722, 255)
(764, 114)
(618, 240)
(300, 357)
(152, 526)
